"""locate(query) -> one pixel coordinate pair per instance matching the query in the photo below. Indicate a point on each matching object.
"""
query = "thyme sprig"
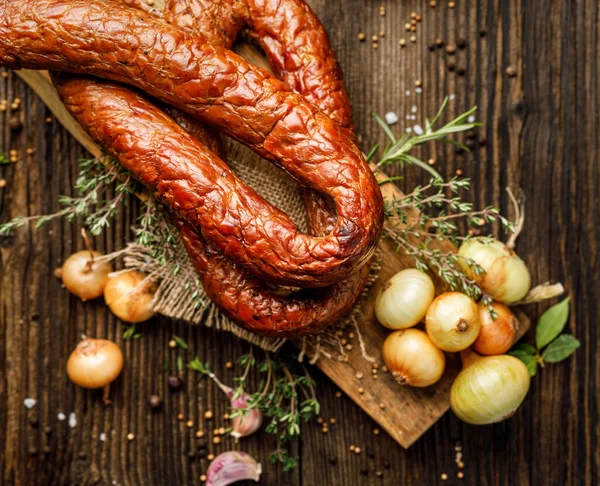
(430, 214)
(92, 203)
(285, 395)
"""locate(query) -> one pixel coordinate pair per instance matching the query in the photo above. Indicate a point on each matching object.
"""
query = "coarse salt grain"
(407, 93)
(471, 118)
(72, 420)
(452, 97)
(418, 130)
(418, 90)
(102, 437)
(408, 130)
(413, 117)
(61, 416)
(414, 109)
(29, 402)
(391, 118)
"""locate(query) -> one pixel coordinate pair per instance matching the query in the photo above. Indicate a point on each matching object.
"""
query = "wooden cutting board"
(405, 413)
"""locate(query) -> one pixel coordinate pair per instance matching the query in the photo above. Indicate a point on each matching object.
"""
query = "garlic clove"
(247, 422)
(231, 467)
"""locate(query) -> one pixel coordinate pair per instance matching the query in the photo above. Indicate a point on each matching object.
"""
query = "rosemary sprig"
(397, 151)
(3, 159)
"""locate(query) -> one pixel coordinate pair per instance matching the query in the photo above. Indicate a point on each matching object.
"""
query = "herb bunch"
(430, 214)
(285, 395)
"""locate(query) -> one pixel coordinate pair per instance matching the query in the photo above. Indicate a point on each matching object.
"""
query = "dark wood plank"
(542, 129)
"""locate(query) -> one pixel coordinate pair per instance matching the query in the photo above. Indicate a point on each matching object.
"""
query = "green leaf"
(551, 324)
(527, 348)
(166, 364)
(560, 349)
(180, 342)
(179, 363)
(3, 159)
(529, 360)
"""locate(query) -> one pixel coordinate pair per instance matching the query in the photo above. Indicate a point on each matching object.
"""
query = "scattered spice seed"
(470, 144)
(2, 183)
(349, 347)
(351, 448)
(382, 406)
(402, 42)
(357, 450)
(210, 457)
(413, 22)
(483, 32)
(361, 36)
(221, 430)
(451, 4)
(351, 335)
(418, 83)
(338, 394)
(189, 424)
(172, 343)
(443, 476)
(179, 416)
(225, 416)
(203, 478)
(461, 71)
(333, 460)
(511, 71)
(130, 436)
(407, 26)
(208, 415)
(376, 431)
(375, 46)
(439, 42)
(319, 420)
(384, 368)
(413, 39)
(418, 18)
(461, 43)
(386, 464)
(413, 28)
(432, 3)
(229, 365)
(199, 434)
(460, 474)
(375, 377)
(370, 452)
(4, 74)
(30, 151)
(379, 474)
(15, 124)
(344, 342)
(216, 440)
(381, 33)
(364, 470)
(374, 38)
(155, 401)
(450, 49)
(431, 47)
(482, 141)
(361, 390)
(461, 465)
(175, 382)
(49, 119)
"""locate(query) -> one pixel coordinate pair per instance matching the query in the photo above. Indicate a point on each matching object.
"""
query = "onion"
(404, 299)
(496, 336)
(412, 358)
(83, 276)
(488, 389)
(452, 321)
(130, 296)
(506, 278)
(95, 363)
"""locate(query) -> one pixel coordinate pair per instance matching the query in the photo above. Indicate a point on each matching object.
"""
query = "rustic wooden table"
(542, 130)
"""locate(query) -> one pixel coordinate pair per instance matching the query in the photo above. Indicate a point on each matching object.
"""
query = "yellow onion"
(496, 335)
(452, 321)
(506, 278)
(404, 299)
(412, 358)
(95, 363)
(130, 297)
(83, 276)
(489, 389)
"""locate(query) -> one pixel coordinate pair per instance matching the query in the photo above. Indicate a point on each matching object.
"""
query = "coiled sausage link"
(221, 89)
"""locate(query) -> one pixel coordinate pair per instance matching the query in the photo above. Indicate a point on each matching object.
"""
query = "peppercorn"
(386, 463)
(431, 46)
(370, 453)
(191, 455)
(450, 49)
(15, 124)
(208, 415)
(482, 141)
(483, 32)
(203, 478)
(470, 144)
(155, 401)
(364, 470)
(451, 65)
(333, 460)
(461, 71)
(461, 43)
(82, 455)
(175, 382)
(439, 42)
(511, 71)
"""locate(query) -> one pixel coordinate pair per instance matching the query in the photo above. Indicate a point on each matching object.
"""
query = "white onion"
(506, 278)
(412, 358)
(404, 299)
(452, 321)
(130, 297)
(83, 276)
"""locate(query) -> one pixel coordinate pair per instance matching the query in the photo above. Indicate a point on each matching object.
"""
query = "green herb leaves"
(180, 342)
(551, 324)
(4, 160)
(130, 332)
(552, 347)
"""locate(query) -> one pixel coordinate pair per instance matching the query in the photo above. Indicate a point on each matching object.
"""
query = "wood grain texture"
(541, 129)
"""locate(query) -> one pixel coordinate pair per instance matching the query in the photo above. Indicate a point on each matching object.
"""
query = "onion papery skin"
(83, 277)
(452, 321)
(489, 390)
(95, 363)
(496, 336)
(412, 358)
(403, 301)
(506, 278)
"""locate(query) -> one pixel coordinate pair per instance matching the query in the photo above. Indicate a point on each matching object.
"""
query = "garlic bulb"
(231, 467)
(496, 335)
(129, 297)
(83, 276)
(488, 389)
(452, 321)
(506, 278)
(404, 299)
(412, 358)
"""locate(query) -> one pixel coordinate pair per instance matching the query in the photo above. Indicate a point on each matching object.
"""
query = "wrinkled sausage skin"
(219, 88)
